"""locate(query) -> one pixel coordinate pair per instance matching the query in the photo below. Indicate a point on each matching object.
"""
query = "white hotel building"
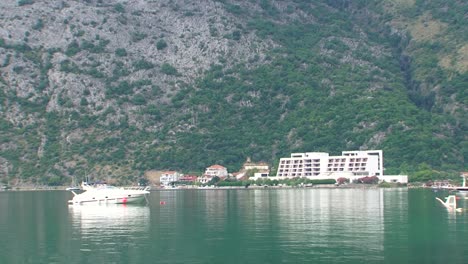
(320, 165)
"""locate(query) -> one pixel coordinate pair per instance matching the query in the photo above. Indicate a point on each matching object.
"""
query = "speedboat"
(107, 194)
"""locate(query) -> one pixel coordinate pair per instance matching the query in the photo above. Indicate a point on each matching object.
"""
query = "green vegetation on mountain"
(126, 89)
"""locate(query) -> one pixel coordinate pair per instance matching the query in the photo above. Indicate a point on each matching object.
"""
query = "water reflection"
(103, 228)
(322, 223)
(236, 226)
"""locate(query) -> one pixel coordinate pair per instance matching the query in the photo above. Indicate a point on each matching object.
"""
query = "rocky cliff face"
(107, 61)
(76, 50)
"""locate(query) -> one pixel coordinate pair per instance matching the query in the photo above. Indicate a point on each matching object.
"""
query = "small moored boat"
(107, 194)
(73, 188)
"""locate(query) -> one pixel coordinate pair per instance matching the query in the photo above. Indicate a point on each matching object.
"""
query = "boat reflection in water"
(103, 228)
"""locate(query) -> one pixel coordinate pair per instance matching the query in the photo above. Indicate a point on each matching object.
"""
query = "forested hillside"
(115, 88)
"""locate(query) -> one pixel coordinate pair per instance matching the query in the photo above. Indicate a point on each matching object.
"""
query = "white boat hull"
(118, 200)
(109, 195)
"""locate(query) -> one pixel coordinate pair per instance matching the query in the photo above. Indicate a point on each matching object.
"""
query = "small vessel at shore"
(107, 194)
(73, 188)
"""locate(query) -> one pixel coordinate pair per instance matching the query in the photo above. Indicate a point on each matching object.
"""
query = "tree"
(143, 181)
(213, 181)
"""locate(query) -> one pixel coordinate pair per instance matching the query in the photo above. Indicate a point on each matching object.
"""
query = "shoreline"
(156, 188)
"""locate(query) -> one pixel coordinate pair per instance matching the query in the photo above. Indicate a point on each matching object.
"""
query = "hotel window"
(342, 165)
(343, 160)
(351, 160)
(341, 169)
(351, 164)
(358, 160)
(328, 169)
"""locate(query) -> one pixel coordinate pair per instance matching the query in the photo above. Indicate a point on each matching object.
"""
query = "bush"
(385, 185)
(236, 35)
(119, 8)
(72, 49)
(39, 24)
(369, 180)
(161, 44)
(139, 99)
(121, 52)
(137, 36)
(143, 65)
(168, 69)
(213, 181)
(230, 183)
(25, 2)
(342, 180)
(324, 181)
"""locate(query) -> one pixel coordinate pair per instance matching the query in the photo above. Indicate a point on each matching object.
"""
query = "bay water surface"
(305, 225)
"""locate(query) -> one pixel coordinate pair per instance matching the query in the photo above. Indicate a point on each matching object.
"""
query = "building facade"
(321, 165)
(168, 177)
(216, 170)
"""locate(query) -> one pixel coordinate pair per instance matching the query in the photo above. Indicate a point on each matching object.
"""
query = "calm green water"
(236, 226)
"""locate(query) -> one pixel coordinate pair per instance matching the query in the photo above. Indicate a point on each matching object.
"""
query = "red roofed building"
(216, 170)
(188, 178)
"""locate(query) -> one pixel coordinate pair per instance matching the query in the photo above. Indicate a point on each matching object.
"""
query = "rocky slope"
(115, 88)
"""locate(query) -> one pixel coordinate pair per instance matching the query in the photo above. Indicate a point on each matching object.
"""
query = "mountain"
(115, 88)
